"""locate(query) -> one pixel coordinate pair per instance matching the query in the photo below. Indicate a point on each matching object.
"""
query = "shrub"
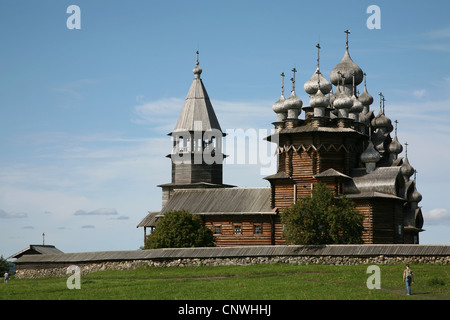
(322, 219)
(180, 229)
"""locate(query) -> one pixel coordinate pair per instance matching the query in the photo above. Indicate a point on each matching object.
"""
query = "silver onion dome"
(279, 107)
(370, 155)
(406, 169)
(395, 147)
(319, 100)
(312, 85)
(415, 196)
(342, 100)
(347, 68)
(365, 98)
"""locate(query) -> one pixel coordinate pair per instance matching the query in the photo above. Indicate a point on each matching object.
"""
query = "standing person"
(6, 276)
(408, 278)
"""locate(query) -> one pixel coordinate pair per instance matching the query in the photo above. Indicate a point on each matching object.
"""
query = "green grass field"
(255, 282)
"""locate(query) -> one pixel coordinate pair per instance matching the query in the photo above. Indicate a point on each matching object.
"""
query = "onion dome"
(293, 104)
(311, 86)
(347, 68)
(319, 100)
(415, 196)
(279, 106)
(407, 170)
(357, 105)
(381, 121)
(342, 101)
(395, 146)
(370, 155)
(197, 70)
(365, 98)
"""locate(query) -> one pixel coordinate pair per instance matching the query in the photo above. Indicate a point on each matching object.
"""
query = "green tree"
(322, 219)
(4, 265)
(180, 229)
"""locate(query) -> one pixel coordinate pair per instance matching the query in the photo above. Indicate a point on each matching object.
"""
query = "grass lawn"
(255, 282)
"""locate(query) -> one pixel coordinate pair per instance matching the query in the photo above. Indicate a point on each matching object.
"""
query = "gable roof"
(221, 201)
(36, 249)
(331, 173)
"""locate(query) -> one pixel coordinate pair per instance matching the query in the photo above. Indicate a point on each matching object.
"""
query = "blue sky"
(85, 113)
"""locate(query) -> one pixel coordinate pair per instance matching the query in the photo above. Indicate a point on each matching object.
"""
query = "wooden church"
(340, 142)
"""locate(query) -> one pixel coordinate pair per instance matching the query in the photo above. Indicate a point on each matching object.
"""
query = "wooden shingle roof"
(197, 109)
(34, 249)
(221, 201)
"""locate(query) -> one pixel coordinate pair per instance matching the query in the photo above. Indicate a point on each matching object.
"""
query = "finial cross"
(346, 41)
(318, 54)
(293, 78)
(381, 99)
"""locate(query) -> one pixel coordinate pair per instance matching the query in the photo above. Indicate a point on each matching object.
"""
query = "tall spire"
(197, 106)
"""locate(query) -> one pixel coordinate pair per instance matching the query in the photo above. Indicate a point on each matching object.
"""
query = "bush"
(322, 219)
(180, 229)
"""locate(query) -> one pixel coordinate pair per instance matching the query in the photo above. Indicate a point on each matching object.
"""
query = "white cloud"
(6, 215)
(419, 93)
(98, 212)
(437, 216)
(88, 226)
(439, 33)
